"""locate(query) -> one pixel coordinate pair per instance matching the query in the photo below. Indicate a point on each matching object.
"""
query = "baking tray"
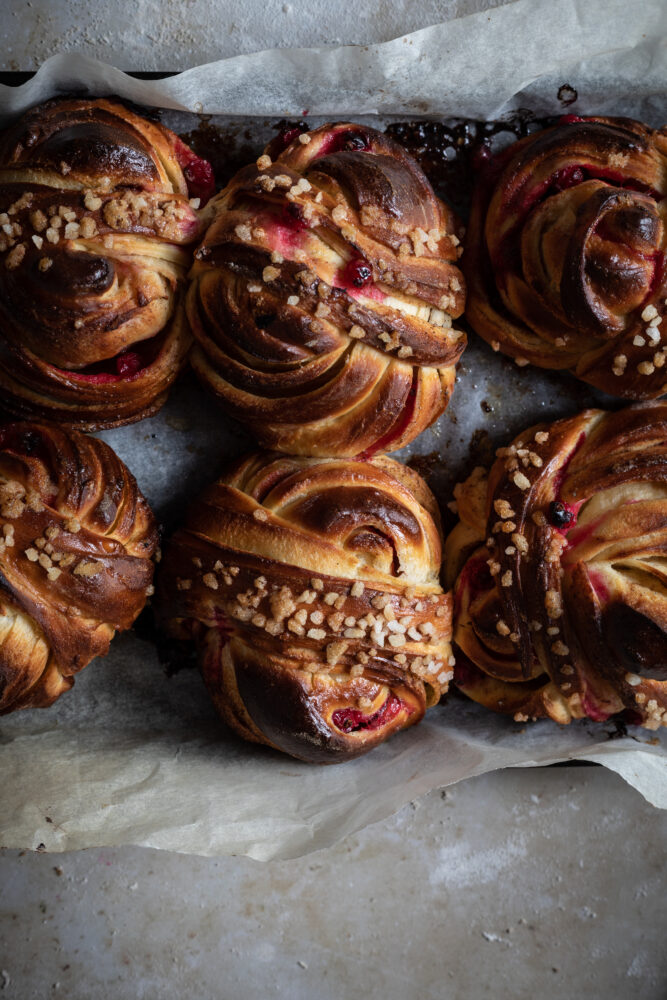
(167, 764)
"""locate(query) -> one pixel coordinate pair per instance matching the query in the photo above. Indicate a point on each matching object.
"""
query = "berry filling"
(123, 367)
(352, 720)
(568, 177)
(128, 364)
(198, 173)
(593, 711)
(577, 173)
(507, 254)
(476, 576)
(285, 137)
(346, 141)
(288, 135)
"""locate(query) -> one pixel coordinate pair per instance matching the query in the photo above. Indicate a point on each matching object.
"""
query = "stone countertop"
(161, 35)
(515, 884)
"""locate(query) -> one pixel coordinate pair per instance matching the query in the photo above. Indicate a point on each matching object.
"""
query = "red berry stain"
(527, 197)
(398, 427)
(599, 586)
(568, 177)
(345, 141)
(570, 119)
(656, 277)
(628, 183)
(466, 675)
(198, 173)
(351, 720)
(287, 137)
(100, 378)
(476, 576)
(593, 711)
(224, 627)
(285, 233)
(287, 133)
(126, 366)
(293, 218)
(575, 534)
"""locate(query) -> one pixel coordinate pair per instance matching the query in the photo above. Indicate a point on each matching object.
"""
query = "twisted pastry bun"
(76, 540)
(311, 589)
(323, 294)
(560, 596)
(94, 225)
(565, 258)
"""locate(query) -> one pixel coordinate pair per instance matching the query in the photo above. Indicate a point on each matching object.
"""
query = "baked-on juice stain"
(449, 153)
(352, 720)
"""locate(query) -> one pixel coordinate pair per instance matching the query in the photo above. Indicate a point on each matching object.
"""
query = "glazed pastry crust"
(565, 253)
(95, 223)
(316, 356)
(76, 541)
(558, 568)
(311, 589)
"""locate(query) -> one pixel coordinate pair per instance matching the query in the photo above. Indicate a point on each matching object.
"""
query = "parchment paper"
(131, 756)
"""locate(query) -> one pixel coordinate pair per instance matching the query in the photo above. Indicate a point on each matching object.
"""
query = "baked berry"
(559, 514)
(358, 272)
(128, 364)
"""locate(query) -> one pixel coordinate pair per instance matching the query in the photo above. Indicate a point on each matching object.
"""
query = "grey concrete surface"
(519, 884)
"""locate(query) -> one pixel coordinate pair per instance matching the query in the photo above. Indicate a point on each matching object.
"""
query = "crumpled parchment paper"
(133, 757)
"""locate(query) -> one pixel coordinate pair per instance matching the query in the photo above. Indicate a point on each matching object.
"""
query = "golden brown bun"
(76, 541)
(311, 589)
(565, 253)
(95, 220)
(323, 294)
(558, 566)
